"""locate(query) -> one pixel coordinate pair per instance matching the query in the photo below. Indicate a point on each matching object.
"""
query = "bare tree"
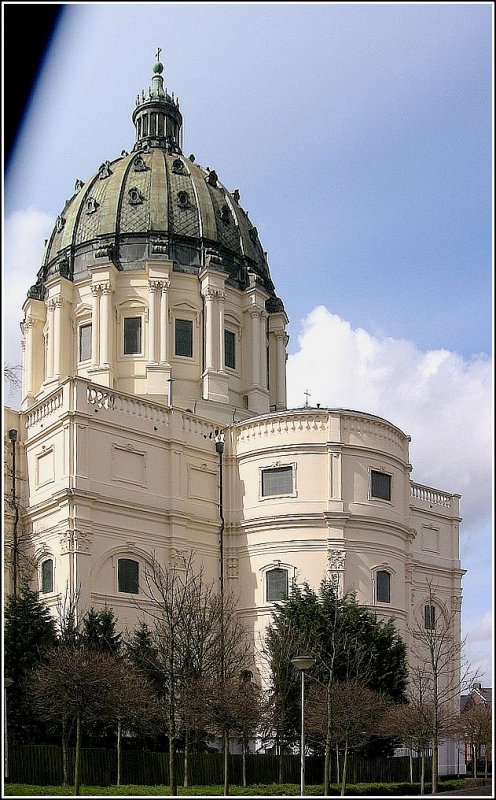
(232, 663)
(12, 374)
(412, 724)
(77, 683)
(196, 634)
(356, 715)
(441, 674)
(248, 715)
(132, 703)
(474, 727)
(17, 541)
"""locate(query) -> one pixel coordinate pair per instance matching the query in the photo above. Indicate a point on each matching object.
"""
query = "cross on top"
(159, 50)
(307, 395)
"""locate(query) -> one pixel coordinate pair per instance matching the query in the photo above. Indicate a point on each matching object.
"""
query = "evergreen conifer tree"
(98, 631)
(30, 634)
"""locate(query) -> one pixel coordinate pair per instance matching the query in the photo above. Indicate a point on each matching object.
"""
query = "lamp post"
(7, 682)
(302, 663)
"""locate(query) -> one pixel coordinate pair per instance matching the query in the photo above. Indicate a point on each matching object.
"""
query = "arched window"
(128, 575)
(277, 584)
(47, 575)
(429, 617)
(383, 586)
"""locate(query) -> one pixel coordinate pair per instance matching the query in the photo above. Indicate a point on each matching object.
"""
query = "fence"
(41, 765)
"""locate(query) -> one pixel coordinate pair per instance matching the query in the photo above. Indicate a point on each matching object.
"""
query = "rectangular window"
(47, 576)
(277, 481)
(184, 338)
(128, 575)
(383, 586)
(132, 336)
(380, 485)
(277, 585)
(230, 349)
(429, 617)
(84, 342)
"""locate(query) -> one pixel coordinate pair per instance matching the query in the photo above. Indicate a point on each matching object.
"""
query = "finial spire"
(159, 50)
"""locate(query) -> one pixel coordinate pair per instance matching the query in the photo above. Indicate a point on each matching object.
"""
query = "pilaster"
(278, 341)
(256, 324)
(158, 369)
(214, 378)
(103, 280)
(33, 371)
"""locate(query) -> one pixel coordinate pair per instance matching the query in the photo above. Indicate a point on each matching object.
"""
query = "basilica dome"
(154, 203)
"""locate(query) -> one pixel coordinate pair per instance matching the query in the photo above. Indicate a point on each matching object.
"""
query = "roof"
(477, 695)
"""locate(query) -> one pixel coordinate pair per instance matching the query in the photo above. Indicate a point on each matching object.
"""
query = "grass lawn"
(275, 789)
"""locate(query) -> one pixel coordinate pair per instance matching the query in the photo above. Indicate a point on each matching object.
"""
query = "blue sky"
(360, 138)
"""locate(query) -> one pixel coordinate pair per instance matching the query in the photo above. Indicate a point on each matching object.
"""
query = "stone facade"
(153, 330)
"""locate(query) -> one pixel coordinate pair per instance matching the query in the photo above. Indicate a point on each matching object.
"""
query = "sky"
(360, 137)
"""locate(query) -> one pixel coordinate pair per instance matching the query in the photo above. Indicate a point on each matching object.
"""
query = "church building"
(154, 417)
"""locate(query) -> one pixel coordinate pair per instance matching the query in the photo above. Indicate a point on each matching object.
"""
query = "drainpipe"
(219, 446)
(15, 543)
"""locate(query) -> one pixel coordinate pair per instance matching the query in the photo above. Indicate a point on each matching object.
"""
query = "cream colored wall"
(158, 295)
(111, 474)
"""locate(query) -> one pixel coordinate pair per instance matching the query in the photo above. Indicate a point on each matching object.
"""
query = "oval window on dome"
(183, 199)
(91, 205)
(139, 164)
(135, 196)
(178, 167)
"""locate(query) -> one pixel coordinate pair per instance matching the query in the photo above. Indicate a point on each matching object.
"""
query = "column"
(106, 290)
(57, 329)
(152, 294)
(255, 346)
(209, 329)
(27, 344)
(222, 358)
(49, 368)
(263, 349)
(164, 316)
(281, 368)
(95, 326)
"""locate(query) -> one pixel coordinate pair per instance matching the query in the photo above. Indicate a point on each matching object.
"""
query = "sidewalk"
(474, 791)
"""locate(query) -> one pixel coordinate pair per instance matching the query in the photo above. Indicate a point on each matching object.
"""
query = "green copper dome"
(155, 203)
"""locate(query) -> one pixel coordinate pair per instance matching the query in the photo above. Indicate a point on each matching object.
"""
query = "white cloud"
(478, 650)
(24, 234)
(483, 631)
(443, 401)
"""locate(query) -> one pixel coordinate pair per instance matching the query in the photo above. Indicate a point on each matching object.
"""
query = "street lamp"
(302, 663)
(6, 684)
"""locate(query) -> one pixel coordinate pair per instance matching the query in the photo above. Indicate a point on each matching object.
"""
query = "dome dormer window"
(139, 164)
(183, 199)
(135, 197)
(91, 205)
(178, 167)
(104, 171)
(225, 214)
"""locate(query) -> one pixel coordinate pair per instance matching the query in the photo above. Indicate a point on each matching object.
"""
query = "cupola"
(157, 118)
